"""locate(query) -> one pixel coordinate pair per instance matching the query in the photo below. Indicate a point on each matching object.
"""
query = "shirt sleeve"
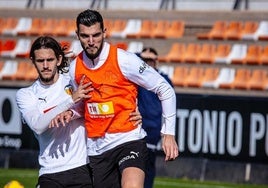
(137, 71)
(72, 74)
(78, 108)
(37, 120)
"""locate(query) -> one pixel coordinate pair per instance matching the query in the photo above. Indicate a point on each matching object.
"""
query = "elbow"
(167, 93)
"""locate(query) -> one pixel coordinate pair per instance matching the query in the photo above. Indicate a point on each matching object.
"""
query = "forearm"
(167, 97)
(169, 116)
(39, 123)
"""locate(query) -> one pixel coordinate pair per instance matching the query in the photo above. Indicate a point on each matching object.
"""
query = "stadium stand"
(179, 44)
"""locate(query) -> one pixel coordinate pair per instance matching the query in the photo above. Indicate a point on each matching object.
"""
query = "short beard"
(47, 80)
(93, 56)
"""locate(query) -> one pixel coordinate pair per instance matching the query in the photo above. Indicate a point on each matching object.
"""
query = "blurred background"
(214, 51)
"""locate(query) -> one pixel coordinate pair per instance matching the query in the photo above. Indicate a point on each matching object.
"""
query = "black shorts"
(80, 177)
(107, 168)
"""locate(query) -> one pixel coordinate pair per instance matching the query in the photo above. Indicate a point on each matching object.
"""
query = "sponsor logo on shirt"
(105, 108)
(143, 67)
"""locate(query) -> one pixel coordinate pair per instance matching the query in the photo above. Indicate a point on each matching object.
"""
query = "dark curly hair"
(48, 42)
(88, 18)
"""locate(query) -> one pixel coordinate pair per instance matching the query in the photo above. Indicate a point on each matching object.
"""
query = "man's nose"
(45, 64)
(90, 40)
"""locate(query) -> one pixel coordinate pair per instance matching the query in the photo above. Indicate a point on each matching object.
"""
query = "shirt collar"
(98, 61)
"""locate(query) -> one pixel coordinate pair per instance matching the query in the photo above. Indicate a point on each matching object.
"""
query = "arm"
(76, 111)
(140, 73)
(36, 119)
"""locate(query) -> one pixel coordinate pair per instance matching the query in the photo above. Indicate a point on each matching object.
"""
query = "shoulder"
(128, 59)
(27, 92)
(123, 54)
(129, 62)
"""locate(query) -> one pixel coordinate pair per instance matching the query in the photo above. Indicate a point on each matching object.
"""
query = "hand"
(136, 117)
(82, 91)
(170, 147)
(64, 117)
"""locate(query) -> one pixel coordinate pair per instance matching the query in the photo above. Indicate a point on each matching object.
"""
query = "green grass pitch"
(28, 178)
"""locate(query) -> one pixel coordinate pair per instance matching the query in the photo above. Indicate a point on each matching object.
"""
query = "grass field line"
(191, 185)
(15, 175)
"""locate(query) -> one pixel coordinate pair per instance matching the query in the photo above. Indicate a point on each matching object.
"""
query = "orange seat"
(191, 53)
(242, 79)
(2, 23)
(32, 74)
(175, 53)
(216, 32)
(250, 27)
(108, 24)
(22, 69)
(48, 27)
(195, 77)
(180, 75)
(222, 50)
(207, 53)
(253, 54)
(62, 28)
(263, 58)
(258, 80)
(115, 26)
(71, 27)
(161, 27)
(146, 29)
(234, 30)
(175, 30)
(211, 74)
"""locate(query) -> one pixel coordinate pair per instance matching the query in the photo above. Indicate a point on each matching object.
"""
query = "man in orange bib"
(116, 147)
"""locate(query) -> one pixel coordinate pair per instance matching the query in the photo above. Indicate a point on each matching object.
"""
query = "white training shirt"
(61, 148)
(135, 70)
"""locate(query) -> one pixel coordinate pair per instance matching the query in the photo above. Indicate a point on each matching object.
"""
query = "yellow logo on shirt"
(105, 108)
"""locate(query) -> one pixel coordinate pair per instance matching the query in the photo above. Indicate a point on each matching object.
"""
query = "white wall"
(140, 4)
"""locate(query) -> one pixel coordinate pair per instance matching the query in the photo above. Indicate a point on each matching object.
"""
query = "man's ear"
(104, 32)
(60, 60)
